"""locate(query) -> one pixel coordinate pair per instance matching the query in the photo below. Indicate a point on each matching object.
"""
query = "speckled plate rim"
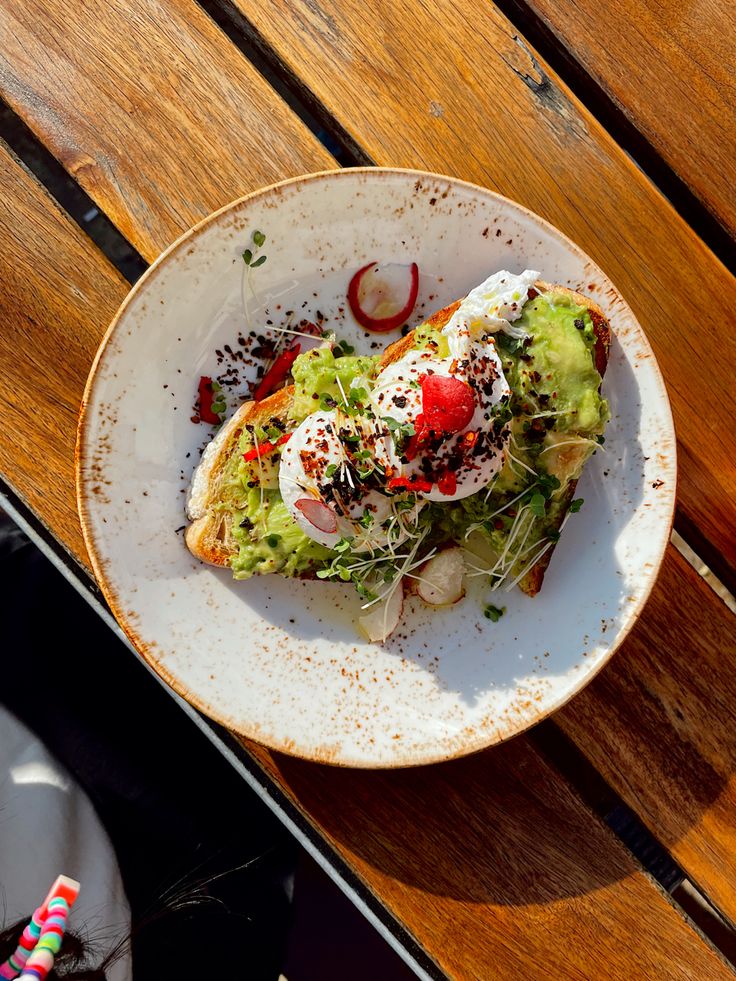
(84, 499)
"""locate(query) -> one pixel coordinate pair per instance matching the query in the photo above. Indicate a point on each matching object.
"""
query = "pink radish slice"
(311, 329)
(317, 514)
(382, 297)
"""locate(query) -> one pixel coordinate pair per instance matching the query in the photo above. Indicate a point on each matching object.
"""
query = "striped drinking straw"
(41, 940)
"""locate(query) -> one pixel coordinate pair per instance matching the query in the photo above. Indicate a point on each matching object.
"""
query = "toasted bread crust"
(209, 537)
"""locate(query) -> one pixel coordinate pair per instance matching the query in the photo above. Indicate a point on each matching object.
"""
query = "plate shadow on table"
(500, 827)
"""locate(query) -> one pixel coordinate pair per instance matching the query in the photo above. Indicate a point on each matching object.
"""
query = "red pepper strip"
(448, 403)
(263, 449)
(206, 398)
(420, 437)
(410, 484)
(277, 372)
(447, 483)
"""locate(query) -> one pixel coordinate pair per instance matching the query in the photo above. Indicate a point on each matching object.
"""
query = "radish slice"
(441, 578)
(317, 514)
(382, 297)
(314, 331)
(382, 619)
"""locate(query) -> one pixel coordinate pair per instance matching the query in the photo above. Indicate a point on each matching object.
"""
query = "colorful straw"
(15, 963)
(41, 940)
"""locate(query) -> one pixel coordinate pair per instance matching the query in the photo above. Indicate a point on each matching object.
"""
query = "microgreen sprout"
(537, 505)
(252, 261)
(257, 239)
(342, 349)
(218, 402)
(401, 431)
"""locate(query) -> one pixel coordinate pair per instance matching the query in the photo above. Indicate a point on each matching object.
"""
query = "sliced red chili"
(206, 398)
(417, 441)
(263, 449)
(277, 372)
(418, 484)
(447, 483)
(256, 452)
(448, 404)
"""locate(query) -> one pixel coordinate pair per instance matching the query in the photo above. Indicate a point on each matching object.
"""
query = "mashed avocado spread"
(268, 538)
(557, 419)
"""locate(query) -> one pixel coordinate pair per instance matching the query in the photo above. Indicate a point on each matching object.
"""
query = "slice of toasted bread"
(209, 537)
(531, 583)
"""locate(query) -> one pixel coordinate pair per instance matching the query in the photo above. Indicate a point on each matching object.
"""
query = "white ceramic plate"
(279, 660)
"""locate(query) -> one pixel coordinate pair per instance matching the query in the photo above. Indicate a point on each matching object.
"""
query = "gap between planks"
(568, 65)
(75, 201)
(50, 182)
(647, 158)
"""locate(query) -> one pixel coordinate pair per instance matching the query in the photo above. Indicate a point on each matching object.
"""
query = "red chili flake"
(410, 484)
(263, 449)
(277, 372)
(448, 404)
(206, 398)
(447, 483)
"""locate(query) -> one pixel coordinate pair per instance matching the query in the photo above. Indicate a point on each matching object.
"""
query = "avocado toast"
(393, 469)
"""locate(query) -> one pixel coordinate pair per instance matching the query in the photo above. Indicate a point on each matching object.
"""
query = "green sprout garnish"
(342, 349)
(257, 238)
(537, 505)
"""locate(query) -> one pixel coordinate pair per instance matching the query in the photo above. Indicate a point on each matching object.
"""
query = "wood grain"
(150, 108)
(660, 724)
(526, 861)
(670, 67)
(492, 862)
(58, 295)
(496, 869)
(450, 86)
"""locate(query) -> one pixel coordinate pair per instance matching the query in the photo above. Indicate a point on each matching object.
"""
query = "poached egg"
(319, 482)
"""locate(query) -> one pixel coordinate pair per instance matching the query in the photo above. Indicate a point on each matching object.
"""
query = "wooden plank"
(496, 869)
(148, 105)
(669, 66)
(58, 295)
(660, 724)
(451, 87)
(498, 844)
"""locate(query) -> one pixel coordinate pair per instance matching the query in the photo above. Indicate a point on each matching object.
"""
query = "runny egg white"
(313, 466)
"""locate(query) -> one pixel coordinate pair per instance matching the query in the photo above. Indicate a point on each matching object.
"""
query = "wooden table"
(573, 851)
